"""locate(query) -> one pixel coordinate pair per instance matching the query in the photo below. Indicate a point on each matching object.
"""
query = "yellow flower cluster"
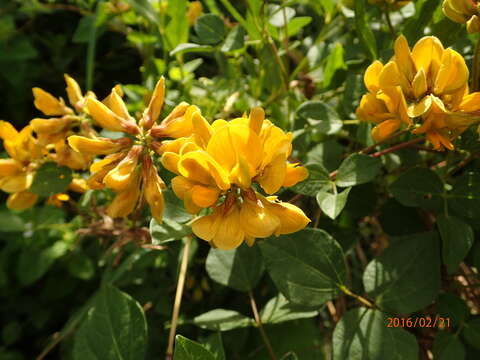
(424, 89)
(464, 12)
(128, 167)
(220, 165)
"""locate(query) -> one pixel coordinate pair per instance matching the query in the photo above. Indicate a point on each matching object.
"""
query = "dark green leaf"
(457, 239)
(214, 344)
(168, 231)
(80, 266)
(222, 320)
(453, 307)
(418, 187)
(307, 267)
(210, 29)
(115, 329)
(10, 222)
(332, 204)
(358, 169)
(465, 196)
(362, 334)
(320, 116)
(446, 346)
(240, 269)
(235, 39)
(279, 309)
(335, 62)
(186, 349)
(471, 332)
(51, 179)
(406, 276)
(317, 179)
(364, 30)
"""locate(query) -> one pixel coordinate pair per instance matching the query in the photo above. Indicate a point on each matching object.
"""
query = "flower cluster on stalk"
(463, 12)
(424, 89)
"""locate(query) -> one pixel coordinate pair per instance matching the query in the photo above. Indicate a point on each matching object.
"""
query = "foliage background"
(407, 235)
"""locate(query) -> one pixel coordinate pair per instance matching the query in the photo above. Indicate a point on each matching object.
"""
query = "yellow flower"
(217, 166)
(463, 11)
(255, 216)
(128, 168)
(53, 131)
(17, 172)
(195, 9)
(423, 88)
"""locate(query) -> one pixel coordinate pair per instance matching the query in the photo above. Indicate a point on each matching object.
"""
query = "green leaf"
(186, 48)
(453, 307)
(10, 222)
(418, 187)
(51, 179)
(115, 329)
(168, 231)
(358, 169)
(320, 116)
(465, 196)
(222, 320)
(235, 39)
(362, 334)
(457, 239)
(335, 62)
(84, 29)
(363, 29)
(176, 31)
(446, 346)
(307, 267)
(471, 332)
(317, 179)
(214, 344)
(210, 29)
(406, 276)
(186, 349)
(145, 8)
(297, 24)
(34, 263)
(240, 269)
(279, 309)
(332, 204)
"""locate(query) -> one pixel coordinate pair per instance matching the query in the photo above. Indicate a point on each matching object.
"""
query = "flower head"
(463, 12)
(423, 89)
(128, 168)
(220, 165)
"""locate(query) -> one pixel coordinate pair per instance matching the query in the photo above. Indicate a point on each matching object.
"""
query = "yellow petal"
(153, 191)
(206, 227)
(255, 119)
(48, 104)
(395, 102)
(385, 129)
(258, 221)
(230, 232)
(452, 12)
(199, 166)
(178, 123)
(292, 218)
(392, 77)
(453, 73)
(78, 185)
(98, 146)
(202, 129)
(9, 167)
(273, 176)
(372, 76)
(107, 160)
(471, 103)
(7, 131)
(420, 108)
(372, 109)
(473, 25)
(152, 112)
(403, 58)
(74, 92)
(120, 177)
(115, 103)
(21, 200)
(204, 196)
(16, 183)
(50, 126)
(294, 174)
(170, 161)
(107, 119)
(181, 185)
(125, 201)
(419, 84)
(427, 54)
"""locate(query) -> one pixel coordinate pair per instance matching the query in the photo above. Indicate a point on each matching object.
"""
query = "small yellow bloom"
(21, 200)
(49, 104)
(120, 177)
(195, 9)
(126, 200)
(153, 189)
(463, 12)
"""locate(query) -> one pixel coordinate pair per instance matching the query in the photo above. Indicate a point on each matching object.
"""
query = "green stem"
(476, 68)
(231, 9)
(91, 47)
(389, 23)
(358, 297)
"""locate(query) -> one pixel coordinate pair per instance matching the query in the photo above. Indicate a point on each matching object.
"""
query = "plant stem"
(265, 339)
(389, 23)
(372, 147)
(92, 42)
(178, 298)
(358, 297)
(398, 147)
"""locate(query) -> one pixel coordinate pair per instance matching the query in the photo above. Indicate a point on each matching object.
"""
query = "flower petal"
(49, 104)
(21, 200)
(98, 146)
